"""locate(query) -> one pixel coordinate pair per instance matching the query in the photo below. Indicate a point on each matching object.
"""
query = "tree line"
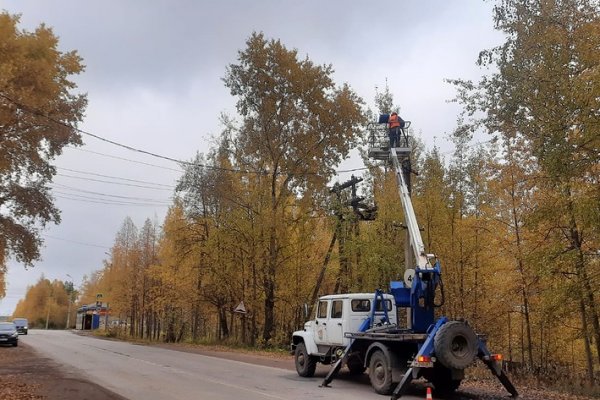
(515, 221)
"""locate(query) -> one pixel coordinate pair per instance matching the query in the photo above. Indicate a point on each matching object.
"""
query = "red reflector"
(424, 359)
(496, 357)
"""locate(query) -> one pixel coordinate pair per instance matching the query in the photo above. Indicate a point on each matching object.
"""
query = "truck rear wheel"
(380, 373)
(456, 345)
(305, 363)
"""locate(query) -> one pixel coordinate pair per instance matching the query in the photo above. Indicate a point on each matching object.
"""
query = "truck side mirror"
(305, 309)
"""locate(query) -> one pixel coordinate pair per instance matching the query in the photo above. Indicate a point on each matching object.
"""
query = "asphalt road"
(148, 373)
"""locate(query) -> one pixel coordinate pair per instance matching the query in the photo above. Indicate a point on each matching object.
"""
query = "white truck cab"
(323, 337)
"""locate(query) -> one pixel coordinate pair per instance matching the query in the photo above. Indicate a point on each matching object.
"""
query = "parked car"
(9, 334)
(21, 324)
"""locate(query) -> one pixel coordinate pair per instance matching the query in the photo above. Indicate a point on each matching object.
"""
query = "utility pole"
(48, 305)
(47, 314)
(69, 287)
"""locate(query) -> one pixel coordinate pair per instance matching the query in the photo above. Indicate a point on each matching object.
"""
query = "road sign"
(98, 296)
(240, 308)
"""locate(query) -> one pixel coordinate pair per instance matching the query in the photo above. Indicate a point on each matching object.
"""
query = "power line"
(114, 143)
(116, 177)
(112, 183)
(134, 149)
(157, 201)
(112, 203)
(61, 186)
(75, 241)
(125, 159)
(160, 156)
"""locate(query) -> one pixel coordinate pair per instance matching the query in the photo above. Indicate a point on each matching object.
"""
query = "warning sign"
(240, 308)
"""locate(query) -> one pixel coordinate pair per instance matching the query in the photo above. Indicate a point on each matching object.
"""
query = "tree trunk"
(522, 273)
(586, 341)
(271, 267)
(224, 331)
(269, 309)
(580, 267)
(253, 327)
(527, 326)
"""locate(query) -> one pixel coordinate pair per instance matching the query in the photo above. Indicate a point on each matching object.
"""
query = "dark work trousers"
(394, 135)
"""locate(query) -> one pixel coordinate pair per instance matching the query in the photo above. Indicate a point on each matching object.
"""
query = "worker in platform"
(394, 124)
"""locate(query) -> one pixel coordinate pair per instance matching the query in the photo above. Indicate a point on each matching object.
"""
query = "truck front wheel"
(305, 363)
(380, 373)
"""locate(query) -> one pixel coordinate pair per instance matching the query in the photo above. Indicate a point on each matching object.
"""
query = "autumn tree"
(46, 304)
(295, 126)
(38, 106)
(214, 240)
(545, 93)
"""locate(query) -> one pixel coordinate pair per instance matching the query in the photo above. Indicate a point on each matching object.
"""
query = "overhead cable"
(116, 177)
(74, 241)
(112, 183)
(124, 159)
(110, 197)
(112, 203)
(134, 149)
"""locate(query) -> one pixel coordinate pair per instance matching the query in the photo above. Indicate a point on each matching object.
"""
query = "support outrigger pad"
(484, 355)
(401, 387)
(332, 372)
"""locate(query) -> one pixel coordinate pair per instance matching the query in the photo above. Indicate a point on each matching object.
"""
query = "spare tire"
(456, 345)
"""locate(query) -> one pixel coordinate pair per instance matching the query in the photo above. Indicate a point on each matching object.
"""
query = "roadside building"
(92, 316)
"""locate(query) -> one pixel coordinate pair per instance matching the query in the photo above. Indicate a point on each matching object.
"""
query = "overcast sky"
(153, 79)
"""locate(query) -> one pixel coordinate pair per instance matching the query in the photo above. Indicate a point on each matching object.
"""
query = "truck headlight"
(15, 334)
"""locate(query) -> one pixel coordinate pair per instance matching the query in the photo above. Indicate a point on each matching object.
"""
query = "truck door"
(335, 328)
(321, 322)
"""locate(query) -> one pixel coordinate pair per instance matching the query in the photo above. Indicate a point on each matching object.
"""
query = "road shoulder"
(26, 374)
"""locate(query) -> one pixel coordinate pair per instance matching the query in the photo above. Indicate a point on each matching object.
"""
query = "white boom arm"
(416, 240)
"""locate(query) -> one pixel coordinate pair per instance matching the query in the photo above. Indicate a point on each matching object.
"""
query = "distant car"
(21, 324)
(9, 334)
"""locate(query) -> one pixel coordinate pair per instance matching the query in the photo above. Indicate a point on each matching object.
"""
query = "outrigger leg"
(401, 387)
(336, 367)
(485, 356)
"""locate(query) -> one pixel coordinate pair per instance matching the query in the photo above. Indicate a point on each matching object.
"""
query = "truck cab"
(323, 338)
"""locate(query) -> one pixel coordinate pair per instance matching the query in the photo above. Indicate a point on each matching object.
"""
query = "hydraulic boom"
(416, 241)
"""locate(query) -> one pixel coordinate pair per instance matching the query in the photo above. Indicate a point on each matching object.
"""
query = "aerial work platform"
(379, 142)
